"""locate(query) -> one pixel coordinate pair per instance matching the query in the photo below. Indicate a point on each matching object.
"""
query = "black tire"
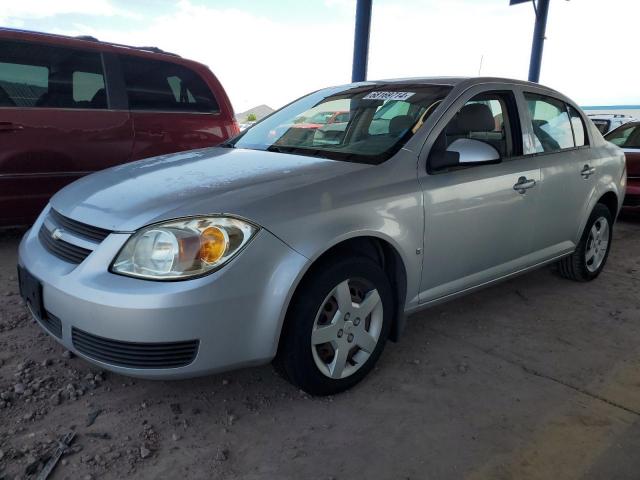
(574, 266)
(295, 359)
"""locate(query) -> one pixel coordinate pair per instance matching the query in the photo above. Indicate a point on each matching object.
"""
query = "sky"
(273, 51)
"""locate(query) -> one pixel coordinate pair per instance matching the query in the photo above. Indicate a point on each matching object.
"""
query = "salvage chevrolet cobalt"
(310, 246)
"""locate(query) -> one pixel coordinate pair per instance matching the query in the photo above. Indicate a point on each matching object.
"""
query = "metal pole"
(361, 41)
(538, 40)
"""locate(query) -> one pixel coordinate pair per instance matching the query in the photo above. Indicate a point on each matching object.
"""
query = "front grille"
(78, 228)
(134, 354)
(65, 250)
(52, 324)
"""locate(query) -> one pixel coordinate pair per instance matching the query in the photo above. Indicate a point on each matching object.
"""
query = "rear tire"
(591, 253)
(336, 326)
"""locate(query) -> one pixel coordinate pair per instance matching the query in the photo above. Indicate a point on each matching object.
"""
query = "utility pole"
(361, 41)
(541, 9)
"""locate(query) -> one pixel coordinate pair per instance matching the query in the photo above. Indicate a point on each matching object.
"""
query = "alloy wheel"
(597, 244)
(347, 328)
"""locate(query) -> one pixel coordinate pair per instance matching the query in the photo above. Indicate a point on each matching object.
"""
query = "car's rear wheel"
(590, 256)
(336, 326)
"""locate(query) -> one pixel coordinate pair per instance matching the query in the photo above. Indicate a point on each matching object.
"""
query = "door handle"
(10, 127)
(524, 184)
(587, 171)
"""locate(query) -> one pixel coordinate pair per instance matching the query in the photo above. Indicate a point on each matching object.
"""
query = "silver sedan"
(309, 245)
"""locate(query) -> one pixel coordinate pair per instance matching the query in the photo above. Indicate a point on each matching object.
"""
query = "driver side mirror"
(463, 152)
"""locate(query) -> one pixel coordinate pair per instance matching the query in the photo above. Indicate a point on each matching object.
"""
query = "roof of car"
(82, 38)
(458, 81)
(454, 81)
(633, 123)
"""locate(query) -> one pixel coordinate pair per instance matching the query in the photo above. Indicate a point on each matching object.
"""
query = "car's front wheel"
(336, 326)
(590, 256)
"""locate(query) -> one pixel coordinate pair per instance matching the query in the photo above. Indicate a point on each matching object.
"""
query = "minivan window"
(87, 86)
(551, 126)
(578, 127)
(164, 86)
(44, 76)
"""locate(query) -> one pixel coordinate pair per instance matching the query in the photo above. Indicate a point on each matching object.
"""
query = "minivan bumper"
(233, 315)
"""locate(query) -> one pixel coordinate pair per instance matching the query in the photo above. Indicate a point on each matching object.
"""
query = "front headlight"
(185, 248)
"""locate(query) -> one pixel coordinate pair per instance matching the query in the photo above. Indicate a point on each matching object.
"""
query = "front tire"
(590, 256)
(336, 327)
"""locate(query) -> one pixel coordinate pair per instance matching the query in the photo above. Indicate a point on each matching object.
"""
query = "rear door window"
(550, 122)
(45, 76)
(163, 86)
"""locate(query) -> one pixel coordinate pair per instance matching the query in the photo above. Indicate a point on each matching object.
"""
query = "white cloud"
(25, 9)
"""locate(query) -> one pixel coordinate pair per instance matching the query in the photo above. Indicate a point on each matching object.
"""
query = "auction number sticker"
(389, 95)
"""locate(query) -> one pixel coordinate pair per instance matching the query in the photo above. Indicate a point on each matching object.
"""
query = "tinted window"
(602, 125)
(625, 137)
(164, 86)
(578, 127)
(551, 126)
(34, 75)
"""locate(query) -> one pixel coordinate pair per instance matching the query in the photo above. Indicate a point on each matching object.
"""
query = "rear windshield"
(379, 120)
(627, 136)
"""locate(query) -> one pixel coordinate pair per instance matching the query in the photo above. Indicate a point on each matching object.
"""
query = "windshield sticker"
(389, 95)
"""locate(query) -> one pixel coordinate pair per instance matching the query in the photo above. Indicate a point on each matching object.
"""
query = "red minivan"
(70, 106)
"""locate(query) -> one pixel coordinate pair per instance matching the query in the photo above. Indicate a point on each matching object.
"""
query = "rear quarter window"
(155, 85)
(577, 124)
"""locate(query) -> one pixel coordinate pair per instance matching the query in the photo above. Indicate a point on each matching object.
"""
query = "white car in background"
(607, 122)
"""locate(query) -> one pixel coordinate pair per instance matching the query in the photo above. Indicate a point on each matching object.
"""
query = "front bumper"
(235, 314)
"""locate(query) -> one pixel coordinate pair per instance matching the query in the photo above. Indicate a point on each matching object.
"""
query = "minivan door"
(478, 215)
(567, 173)
(55, 124)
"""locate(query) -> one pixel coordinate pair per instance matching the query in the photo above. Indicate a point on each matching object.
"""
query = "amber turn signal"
(213, 244)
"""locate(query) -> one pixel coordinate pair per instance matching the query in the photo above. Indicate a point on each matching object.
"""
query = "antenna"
(480, 67)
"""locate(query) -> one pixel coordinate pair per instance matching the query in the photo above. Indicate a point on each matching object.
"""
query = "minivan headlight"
(184, 248)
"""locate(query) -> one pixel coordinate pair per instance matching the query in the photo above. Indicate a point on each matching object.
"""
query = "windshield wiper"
(274, 148)
(310, 152)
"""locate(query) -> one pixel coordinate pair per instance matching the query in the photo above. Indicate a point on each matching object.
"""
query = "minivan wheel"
(336, 327)
(590, 256)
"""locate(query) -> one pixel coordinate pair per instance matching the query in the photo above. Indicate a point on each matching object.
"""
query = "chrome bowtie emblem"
(57, 234)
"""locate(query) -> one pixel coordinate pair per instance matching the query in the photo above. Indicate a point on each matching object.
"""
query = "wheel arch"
(610, 200)
(374, 247)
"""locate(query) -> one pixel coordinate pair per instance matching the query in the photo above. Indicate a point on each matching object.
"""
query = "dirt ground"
(538, 377)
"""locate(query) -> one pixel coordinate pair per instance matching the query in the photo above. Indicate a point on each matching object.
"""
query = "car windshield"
(379, 120)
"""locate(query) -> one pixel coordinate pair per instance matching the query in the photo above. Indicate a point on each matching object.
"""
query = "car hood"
(247, 183)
